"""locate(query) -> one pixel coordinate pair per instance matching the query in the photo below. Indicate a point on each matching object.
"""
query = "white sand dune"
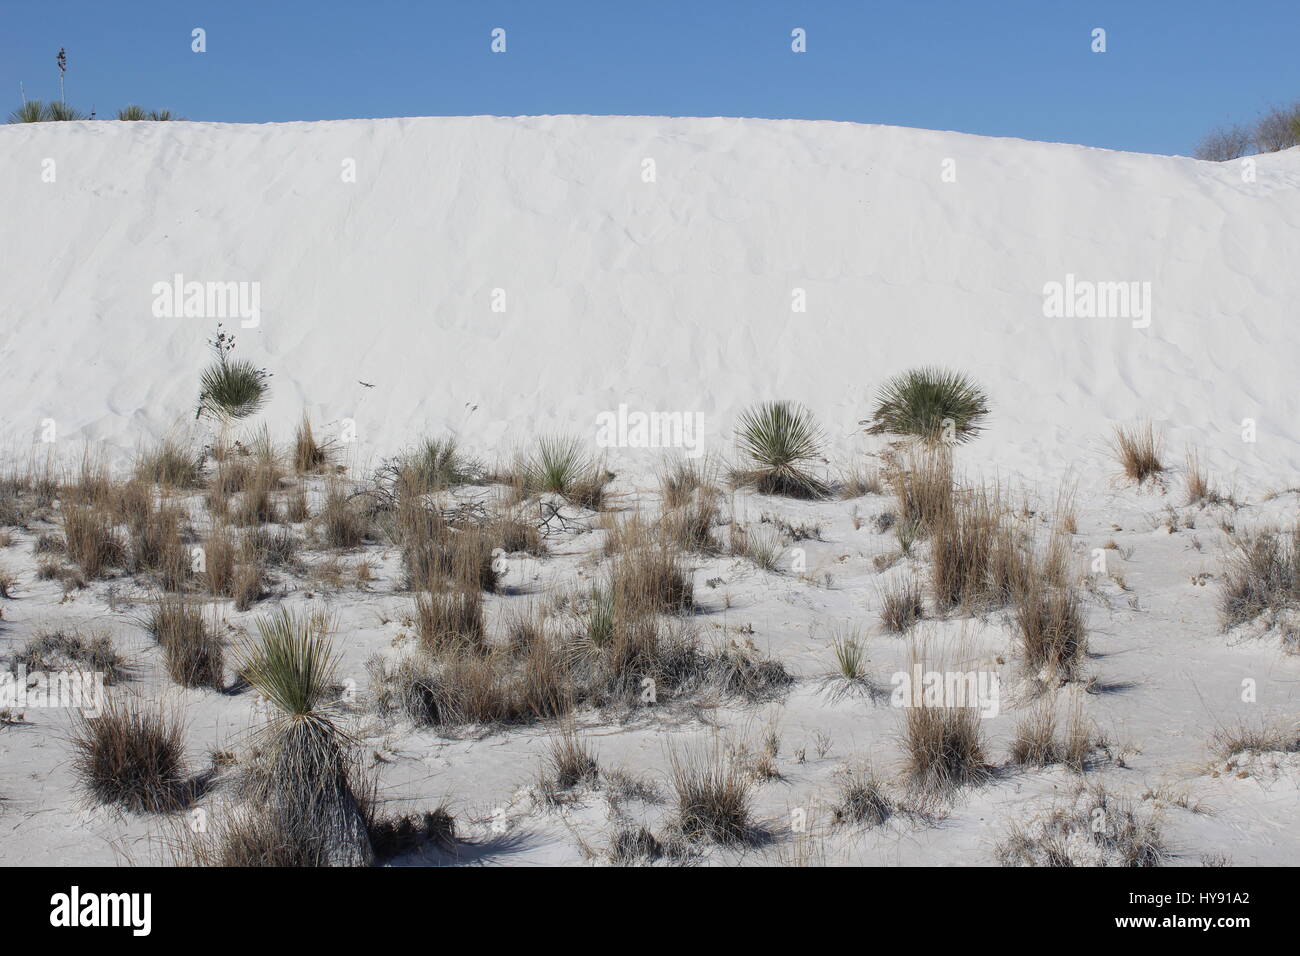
(671, 295)
(676, 295)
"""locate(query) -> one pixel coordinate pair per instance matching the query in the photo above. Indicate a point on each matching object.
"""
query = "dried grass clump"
(975, 552)
(434, 552)
(343, 522)
(155, 542)
(1139, 451)
(1259, 737)
(192, 647)
(132, 755)
(652, 579)
(449, 619)
(857, 480)
(901, 606)
(863, 799)
(762, 544)
(1048, 617)
(713, 795)
(1094, 828)
(943, 744)
(28, 492)
(256, 505)
(923, 487)
(309, 455)
(171, 463)
(1261, 573)
(219, 562)
(689, 526)
(684, 480)
(513, 535)
(247, 585)
(740, 670)
(398, 835)
(53, 651)
(943, 749)
(93, 542)
(634, 844)
(1199, 488)
(570, 762)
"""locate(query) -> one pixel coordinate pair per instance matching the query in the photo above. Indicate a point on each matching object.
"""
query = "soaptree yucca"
(438, 463)
(780, 440)
(32, 111)
(561, 464)
(62, 111)
(306, 787)
(230, 388)
(138, 113)
(931, 403)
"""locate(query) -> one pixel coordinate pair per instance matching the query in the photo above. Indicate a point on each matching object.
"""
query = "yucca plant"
(137, 113)
(230, 388)
(306, 786)
(931, 403)
(32, 111)
(62, 111)
(437, 463)
(559, 464)
(780, 441)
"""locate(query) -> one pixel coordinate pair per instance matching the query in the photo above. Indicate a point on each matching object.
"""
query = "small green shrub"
(931, 403)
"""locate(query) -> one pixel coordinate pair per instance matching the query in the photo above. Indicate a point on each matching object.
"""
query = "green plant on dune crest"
(931, 403)
(138, 113)
(230, 388)
(32, 111)
(62, 111)
(780, 441)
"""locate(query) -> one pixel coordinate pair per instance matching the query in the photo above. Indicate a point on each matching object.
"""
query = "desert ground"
(542, 640)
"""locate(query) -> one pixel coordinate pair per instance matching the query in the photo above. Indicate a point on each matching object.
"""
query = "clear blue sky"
(1173, 68)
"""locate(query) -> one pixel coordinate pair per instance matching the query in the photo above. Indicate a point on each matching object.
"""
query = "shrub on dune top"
(930, 403)
(32, 111)
(139, 113)
(780, 440)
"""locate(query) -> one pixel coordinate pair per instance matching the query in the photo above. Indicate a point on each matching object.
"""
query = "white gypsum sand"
(678, 295)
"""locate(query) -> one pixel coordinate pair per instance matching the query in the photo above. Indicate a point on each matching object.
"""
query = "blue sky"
(1172, 69)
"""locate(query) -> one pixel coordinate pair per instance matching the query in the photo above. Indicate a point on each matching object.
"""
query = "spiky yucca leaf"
(232, 388)
(132, 112)
(932, 403)
(438, 463)
(292, 665)
(33, 111)
(559, 463)
(62, 111)
(780, 439)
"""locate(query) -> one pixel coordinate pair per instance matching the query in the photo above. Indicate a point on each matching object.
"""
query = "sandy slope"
(672, 295)
(676, 296)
